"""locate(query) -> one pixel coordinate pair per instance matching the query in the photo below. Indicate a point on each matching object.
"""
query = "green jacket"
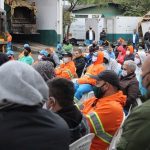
(136, 129)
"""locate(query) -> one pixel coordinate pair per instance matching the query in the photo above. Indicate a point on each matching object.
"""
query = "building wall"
(49, 21)
(2, 4)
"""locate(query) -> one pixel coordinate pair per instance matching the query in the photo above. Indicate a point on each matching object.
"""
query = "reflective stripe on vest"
(69, 73)
(98, 128)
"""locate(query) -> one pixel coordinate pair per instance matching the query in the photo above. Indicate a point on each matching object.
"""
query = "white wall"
(49, 15)
(2, 4)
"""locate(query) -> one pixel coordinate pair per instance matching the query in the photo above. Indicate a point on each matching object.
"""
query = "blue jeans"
(81, 89)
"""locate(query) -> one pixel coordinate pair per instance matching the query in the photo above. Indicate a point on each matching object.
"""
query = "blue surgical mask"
(142, 89)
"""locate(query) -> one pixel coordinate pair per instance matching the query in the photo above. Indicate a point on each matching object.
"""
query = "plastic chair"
(116, 136)
(83, 143)
(139, 102)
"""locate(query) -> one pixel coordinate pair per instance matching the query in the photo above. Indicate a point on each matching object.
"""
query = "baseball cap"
(108, 76)
(67, 54)
(43, 52)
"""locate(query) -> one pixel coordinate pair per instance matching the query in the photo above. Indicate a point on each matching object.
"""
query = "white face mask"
(127, 52)
(137, 61)
(124, 73)
(65, 60)
(39, 57)
(94, 59)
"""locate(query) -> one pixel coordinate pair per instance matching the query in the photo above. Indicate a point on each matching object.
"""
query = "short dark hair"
(28, 49)
(62, 90)
(78, 50)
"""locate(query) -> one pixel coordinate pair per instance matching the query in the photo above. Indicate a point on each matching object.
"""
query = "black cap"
(108, 76)
(67, 54)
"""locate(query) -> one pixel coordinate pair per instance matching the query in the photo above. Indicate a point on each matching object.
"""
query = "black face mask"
(26, 53)
(98, 91)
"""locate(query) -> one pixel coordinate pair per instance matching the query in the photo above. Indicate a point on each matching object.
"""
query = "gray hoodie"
(21, 84)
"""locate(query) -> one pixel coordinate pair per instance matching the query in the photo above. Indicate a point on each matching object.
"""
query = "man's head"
(106, 58)
(146, 73)
(90, 28)
(129, 67)
(3, 58)
(110, 48)
(67, 57)
(107, 84)
(78, 53)
(22, 86)
(27, 51)
(42, 54)
(61, 94)
(50, 50)
(46, 69)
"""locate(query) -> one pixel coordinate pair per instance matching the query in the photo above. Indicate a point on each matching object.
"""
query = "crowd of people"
(41, 104)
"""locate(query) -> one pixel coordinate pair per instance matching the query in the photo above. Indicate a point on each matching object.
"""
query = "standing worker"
(90, 36)
(9, 41)
(102, 37)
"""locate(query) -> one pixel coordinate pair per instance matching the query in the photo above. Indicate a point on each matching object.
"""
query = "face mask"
(26, 53)
(65, 60)
(39, 57)
(94, 59)
(137, 61)
(127, 52)
(98, 91)
(143, 90)
(124, 73)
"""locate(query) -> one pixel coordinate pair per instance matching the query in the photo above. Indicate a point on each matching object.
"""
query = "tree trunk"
(68, 31)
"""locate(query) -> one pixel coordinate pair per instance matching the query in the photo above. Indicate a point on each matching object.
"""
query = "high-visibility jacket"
(93, 69)
(9, 38)
(66, 70)
(104, 116)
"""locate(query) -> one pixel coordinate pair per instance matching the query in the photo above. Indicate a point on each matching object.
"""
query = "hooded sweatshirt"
(142, 56)
(131, 55)
(112, 63)
(93, 69)
(110, 111)
(121, 55)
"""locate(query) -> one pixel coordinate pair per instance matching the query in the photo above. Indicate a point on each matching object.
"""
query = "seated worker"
(67, 69)
(27, 58)
(23, 121)
(110, 63)
(42, 54)
(10, 55)
(67, 47)
(22, 53)
(121, 55)
(129, 83)
(53, 56)
(9, 41)
(61, 101)
(129, 53)
(104, 112)
(79, 61)
(110, 51)
(46, 69)
(85, 84)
